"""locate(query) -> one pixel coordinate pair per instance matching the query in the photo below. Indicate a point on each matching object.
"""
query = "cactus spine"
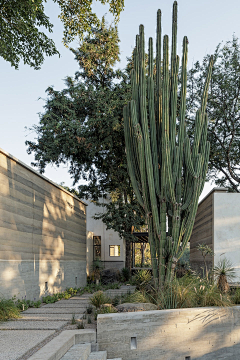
(166, 170)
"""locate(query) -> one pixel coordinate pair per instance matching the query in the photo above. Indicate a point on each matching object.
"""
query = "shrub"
(224, 272)
(142, 278)
(8, 310)
(236, 297)
(98, 299)
(137, 296)
(125, 274)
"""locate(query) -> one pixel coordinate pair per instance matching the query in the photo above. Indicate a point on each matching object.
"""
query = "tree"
(166, 172)
(20, 23)
(83, 125)
(223, 109)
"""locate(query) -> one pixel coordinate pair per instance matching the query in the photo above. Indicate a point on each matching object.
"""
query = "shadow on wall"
(197, 333)
(42, 234)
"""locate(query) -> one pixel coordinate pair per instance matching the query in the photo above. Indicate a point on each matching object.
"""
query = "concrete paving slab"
(32, 325)
(14, 344)
(67, 305)
(56, 317)
(47, 310)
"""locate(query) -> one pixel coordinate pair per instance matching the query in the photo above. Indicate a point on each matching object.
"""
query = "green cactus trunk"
(166, 170)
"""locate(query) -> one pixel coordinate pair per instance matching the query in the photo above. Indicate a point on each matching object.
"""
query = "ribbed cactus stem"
(166, 172)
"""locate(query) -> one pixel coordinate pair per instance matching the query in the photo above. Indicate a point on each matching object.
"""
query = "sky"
(22, 92)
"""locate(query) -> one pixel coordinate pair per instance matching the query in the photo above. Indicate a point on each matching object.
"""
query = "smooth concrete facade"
(178, 334)
(217, 225)
(108, 238)
(226, 230)
(42, 233)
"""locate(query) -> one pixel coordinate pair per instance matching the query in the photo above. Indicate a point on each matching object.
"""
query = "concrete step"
(59, 346)
(78, 352)
(98, 355)
(115, 359)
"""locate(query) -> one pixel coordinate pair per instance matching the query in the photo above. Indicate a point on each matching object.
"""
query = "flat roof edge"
(216, 189)
(40, 175)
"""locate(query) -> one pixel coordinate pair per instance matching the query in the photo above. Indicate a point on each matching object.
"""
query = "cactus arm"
(130, 159)
(182, 115)
(152, 122)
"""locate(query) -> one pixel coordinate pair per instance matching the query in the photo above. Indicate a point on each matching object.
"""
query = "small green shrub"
(137, 296)
(89, 310)
(89, 320)
(116, 300)
(224, 272)
(142, 278)
(125, 274)
(98, 299)
(8, 310)
(81, 325)
(236, 297)
(73, 320)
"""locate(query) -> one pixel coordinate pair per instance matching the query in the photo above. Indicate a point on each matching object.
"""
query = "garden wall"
(197, 333)
(42, 233)
(217, 225)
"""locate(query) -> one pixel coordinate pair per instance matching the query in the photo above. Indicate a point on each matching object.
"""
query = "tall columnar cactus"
(167, 170)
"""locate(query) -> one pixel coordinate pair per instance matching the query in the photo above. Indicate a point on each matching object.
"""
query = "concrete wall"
(171, 334)
(217, 225)
(108, 237)
(42, 233)
(227, 229)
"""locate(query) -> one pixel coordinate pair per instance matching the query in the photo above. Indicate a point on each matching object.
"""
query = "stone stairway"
(83, 352)
(41, 333)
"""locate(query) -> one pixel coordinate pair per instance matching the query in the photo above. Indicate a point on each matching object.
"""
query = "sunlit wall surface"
(42, 233)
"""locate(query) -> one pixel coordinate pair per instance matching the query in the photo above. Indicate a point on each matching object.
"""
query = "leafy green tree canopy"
(83, 126)
(223, 109)
(21, 20)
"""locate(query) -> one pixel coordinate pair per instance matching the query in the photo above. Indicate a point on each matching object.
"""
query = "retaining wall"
(179, 334)
(42, 233)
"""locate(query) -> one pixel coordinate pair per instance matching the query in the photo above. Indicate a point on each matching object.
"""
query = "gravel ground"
(32, 325)
(15, 343)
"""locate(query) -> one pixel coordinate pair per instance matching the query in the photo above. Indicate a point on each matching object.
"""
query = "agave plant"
(224, 272)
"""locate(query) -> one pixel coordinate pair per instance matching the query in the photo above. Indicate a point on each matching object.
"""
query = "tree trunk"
(128, 258)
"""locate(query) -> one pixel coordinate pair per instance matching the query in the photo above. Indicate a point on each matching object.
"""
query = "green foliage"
(71, 291)
(223, 110)
(137, 296)
(89, 310)
(25, 304)
(8, 310)
(20, 35)
(205, 251)
(125, 274)
(167, 171)
(236, 296)
(104, 310)
(21, 21)
(189, 291)
(81, 325)
(224, 272)
(73, 320)
(98, 299)
(83, 126)
(142, 278)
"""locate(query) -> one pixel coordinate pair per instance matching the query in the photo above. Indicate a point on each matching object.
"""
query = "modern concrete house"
(42, 233)
(217, 224)
(103, 244)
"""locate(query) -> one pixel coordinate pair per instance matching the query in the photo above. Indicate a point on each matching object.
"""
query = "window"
(114, 250)
(96, 247)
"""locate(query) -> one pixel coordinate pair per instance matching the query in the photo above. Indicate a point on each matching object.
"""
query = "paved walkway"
(20, 338)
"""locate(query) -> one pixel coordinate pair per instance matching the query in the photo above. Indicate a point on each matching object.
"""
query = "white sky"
(205, 22)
